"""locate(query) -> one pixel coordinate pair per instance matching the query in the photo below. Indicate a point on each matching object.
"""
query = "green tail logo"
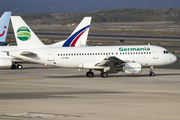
(23, 33)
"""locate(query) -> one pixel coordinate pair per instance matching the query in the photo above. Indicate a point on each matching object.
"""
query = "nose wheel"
(152, 74)
(151, 71)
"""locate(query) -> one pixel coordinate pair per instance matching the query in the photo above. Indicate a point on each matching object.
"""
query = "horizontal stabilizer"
(30, 54)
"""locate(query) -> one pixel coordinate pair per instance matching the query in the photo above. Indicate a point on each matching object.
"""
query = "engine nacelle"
(5, 62)
(132, 68)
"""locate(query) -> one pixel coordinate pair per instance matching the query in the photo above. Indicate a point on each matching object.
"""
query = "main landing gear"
(104, 74)
(16, 66)
(151, 71)
(91, 74)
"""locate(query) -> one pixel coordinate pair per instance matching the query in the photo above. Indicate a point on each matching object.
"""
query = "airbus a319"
(106, 59)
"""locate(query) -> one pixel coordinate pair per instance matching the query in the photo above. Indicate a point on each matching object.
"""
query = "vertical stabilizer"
(79, 35)
(25, 37)
(4, 24)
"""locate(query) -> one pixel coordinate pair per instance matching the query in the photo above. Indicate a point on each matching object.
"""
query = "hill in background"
(107, 16)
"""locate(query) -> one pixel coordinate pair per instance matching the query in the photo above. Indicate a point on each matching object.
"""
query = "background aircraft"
(107, 59)
(4, 24)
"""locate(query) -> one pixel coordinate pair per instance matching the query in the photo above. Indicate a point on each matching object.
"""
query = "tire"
(89, 74)
(152, 74)
(104, 74)
(19, 67)
(13, 67)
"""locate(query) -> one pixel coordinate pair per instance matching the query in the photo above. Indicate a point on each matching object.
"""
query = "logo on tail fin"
(3, 32)
(23, 33)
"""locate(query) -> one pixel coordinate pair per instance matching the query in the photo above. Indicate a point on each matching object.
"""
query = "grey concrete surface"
(34, 93)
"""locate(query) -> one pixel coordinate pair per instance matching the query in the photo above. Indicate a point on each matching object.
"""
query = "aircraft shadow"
(113, 76)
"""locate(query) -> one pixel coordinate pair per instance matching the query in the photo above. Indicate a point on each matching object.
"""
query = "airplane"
(4, 24)
(107, 59)
(77, 38)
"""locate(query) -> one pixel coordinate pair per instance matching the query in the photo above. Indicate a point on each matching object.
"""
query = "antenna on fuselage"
(149, 44)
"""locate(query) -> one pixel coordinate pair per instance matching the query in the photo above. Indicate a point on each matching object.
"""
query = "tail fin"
(79, 35)
(25, 37)
(4, 24)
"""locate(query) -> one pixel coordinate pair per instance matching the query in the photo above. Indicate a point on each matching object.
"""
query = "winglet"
(25, 37)
(4, 24)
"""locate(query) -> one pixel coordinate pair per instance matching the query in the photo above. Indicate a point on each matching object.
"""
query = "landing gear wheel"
(151, 71)
(19, 67)
(152, 74)
(13, 67)
(104, 74)
(89, 74)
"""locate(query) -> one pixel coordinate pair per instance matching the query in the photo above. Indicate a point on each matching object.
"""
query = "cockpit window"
(166, 52)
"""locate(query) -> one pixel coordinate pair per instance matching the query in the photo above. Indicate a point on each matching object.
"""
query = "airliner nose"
(173, 58)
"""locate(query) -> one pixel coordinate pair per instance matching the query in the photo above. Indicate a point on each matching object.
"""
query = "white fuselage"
(78, 57)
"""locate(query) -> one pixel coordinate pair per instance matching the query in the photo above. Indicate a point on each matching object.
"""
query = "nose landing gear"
(151, 71)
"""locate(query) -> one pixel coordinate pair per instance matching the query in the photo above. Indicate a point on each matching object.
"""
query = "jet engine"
(5, 62)
(132, 68)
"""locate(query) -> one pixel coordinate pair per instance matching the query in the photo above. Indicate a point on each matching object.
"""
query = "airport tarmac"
(34, 93)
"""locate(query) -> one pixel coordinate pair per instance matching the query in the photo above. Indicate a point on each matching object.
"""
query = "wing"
(112, 61)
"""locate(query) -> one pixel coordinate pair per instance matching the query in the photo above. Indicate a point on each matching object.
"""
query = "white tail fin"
(79, 35)
(4, 24)
(25, 37)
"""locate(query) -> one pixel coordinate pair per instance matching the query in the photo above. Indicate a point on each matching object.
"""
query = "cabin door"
(50, 55)
(155, 53)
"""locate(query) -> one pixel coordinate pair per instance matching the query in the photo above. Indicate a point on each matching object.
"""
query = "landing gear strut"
(151, 71)
(90, 73)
